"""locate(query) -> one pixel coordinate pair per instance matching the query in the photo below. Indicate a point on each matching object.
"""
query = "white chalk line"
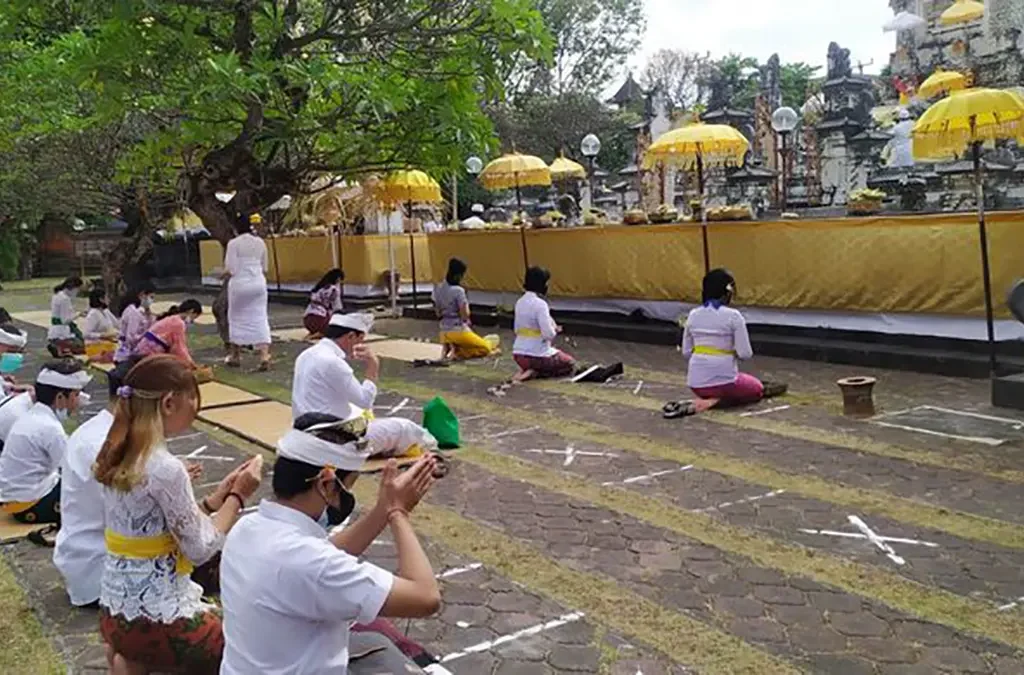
(639, 386)
(972, 439)
(472, 418)
(175, 439)
(436, 669)
(526, 632)
(456, 571)
(965, 413)
(1010, 605)
(647, 476)
(745, 500)
(398, 407)
(768, 411)
(513, 432)
(859, 535)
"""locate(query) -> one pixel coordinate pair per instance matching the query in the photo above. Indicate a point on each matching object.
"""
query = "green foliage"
(797, 83)
(287, 89)
(592, 41)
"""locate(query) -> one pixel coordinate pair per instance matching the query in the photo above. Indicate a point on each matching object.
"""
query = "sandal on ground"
(44, 536)
(775, 389)
(264, 366)
(232, 363)
(676, 409)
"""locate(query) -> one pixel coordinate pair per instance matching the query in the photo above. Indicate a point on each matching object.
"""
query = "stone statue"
(771, 82)
(838, 62)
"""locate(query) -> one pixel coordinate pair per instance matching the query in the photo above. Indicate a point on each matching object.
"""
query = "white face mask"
(72, 292)
(146, 301)
(62, 414)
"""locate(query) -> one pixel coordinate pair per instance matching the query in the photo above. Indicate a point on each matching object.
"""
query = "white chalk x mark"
(512, 432)
(398, 407)
(858, 535)
(639, 386)
(570, 454)
(1010, 605)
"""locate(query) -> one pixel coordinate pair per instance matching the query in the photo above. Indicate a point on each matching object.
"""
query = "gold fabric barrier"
(909, 264)
(494, 257)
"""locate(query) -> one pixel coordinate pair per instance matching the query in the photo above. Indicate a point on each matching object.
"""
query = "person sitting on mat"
(291, 592)
(135, 319)
(458, 340)
(325, 382)
(324, 301)
(63, 337)
(35, 446)
(100, 328)
(715, 339)
(169, 334)
(535, 331)
(152, 616)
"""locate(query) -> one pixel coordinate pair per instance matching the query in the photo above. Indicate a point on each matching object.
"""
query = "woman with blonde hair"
(152, 616)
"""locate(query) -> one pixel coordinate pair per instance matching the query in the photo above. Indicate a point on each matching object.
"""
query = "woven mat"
(39, 318)
(263, 423)
(12, 530)
(217, 395)
(407, 350)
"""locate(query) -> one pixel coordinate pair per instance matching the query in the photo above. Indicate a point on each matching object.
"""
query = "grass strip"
(24, 647)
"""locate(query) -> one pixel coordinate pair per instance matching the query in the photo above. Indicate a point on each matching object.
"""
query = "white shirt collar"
(333, 346)
(286, 514)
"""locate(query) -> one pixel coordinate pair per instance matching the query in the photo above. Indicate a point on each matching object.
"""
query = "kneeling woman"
(458, 339)
(715, 339)
(152, 616)
(535, 331)
(169, 335)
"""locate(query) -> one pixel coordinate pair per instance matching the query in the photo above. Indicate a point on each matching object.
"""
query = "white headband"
(304, 447)
(17, 340)
(52, 378)
(360, 322)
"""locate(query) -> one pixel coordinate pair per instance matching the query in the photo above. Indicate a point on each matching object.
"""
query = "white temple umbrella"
(904, 21)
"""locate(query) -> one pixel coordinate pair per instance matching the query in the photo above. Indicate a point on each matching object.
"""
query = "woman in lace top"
(152, 616)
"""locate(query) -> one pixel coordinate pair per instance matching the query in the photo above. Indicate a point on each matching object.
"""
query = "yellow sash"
(368, 415)
(529, 332)
(17, 507)
(712, 351)
(148, 547)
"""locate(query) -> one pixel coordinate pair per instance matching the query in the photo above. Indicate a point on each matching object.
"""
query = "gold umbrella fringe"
(526, 178)
(687, 160)
(944, 140)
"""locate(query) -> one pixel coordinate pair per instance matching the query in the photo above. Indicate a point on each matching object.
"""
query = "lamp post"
(474, 165)
(590, 146)
(784, 121)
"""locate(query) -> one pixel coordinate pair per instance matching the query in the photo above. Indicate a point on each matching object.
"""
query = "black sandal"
(676, 409)
(44, 536)
(774, 389)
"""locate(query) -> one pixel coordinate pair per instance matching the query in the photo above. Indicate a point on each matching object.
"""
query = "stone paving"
(601, 496)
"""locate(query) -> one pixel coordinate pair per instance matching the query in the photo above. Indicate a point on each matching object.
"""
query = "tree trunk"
(137, 243)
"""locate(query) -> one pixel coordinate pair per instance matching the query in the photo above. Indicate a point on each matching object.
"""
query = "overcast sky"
(799, 30)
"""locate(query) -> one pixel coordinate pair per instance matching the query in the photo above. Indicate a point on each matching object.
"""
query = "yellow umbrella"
(966, 119)
(696, 146)
(962, 11)
(516, 171)
(941, 82)
(565, 169)
(401, 187)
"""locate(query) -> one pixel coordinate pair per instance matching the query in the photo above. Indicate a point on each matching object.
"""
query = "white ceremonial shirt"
(290, 596)
(32, 455)
(11, 409)
(722, 329)
(324, 382)
(81, 548)
(62, 308)
(535, 329)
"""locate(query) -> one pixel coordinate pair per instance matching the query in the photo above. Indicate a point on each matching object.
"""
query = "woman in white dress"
(245, 263)
(64, 337)
(152, 616)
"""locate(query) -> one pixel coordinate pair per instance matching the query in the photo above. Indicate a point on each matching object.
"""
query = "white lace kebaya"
(162, 503)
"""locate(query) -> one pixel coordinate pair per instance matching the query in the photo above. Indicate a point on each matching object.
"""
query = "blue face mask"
(322, 521)
(10, 362)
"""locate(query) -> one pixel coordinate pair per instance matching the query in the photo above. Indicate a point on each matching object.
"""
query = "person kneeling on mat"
(15, 398)
(535, 331)
(324, 382)
(35, 446)
(715, 339)
(291, 591)
(458, 339)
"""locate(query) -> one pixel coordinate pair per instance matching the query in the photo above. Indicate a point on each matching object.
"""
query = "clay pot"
(857, 392)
